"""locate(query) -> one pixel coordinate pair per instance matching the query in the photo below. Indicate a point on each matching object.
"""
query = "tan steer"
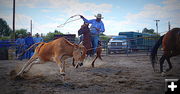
(55, 51)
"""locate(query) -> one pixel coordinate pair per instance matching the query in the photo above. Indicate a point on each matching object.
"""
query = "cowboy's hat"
(37, 34)
(99, 16)
(20, 35)
(29, 33)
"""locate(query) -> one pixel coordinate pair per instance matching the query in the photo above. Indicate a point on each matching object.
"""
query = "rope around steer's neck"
(67, 21)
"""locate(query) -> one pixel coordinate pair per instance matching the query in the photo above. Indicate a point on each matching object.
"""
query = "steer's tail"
(154, 50)
(29, 48)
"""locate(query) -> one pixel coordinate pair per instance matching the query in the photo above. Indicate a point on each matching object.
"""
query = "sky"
(119, 15)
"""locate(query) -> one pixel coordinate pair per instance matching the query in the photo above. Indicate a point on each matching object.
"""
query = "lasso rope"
(67, 21)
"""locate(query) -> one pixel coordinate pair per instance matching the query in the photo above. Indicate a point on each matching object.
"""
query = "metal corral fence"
(135, 45)
(7, 49)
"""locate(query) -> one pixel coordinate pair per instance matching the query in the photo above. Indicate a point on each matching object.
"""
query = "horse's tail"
(154, 50)
(29, 49)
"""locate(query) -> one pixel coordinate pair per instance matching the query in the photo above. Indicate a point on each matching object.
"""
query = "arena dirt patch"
(116, 74)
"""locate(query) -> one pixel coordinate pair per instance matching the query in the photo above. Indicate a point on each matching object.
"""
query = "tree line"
(6, 32)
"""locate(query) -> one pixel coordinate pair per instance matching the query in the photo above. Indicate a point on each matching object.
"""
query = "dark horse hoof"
(168, 69)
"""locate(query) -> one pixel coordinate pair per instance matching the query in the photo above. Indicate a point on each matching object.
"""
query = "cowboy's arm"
(86, 20)
(102, 29)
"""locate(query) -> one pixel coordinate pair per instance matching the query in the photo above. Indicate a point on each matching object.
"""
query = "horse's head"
(83, 28)
(79, 54)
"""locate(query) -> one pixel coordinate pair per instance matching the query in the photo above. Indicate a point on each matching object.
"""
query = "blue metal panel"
(7, 43)
(136, 40)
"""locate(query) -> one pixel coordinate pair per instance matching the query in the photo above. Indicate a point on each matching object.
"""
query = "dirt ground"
(116, 74)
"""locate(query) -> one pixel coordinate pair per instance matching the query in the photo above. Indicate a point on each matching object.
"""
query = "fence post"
(106, 47)
(127, 47)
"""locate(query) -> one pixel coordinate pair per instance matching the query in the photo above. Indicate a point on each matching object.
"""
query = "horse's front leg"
(94, 61)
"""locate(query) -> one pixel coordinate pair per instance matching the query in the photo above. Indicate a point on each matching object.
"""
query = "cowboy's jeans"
(94, 40)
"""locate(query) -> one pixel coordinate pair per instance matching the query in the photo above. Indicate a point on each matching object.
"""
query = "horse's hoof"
(156, 71)
(163, 74)
(168, 70)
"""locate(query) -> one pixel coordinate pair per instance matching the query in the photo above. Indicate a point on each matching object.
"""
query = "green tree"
(5, 30)
(149, 31)
(50, 35)
(103, 37)
(21, 31)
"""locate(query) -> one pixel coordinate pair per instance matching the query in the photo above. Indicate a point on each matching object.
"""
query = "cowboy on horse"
(97, 27)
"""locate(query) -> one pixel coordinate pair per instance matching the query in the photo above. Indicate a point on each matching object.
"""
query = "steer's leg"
(61, 66)
(34, 57)
(73, 63)
(38, 61)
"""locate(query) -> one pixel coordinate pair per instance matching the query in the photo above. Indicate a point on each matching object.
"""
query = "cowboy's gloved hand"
(81, 16)
(97, 29)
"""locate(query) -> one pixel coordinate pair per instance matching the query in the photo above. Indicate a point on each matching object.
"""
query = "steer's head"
(79, 54)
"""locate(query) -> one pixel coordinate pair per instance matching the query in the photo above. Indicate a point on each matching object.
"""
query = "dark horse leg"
(94, 61)
(174, 53)
(170, 65)
(162, 59)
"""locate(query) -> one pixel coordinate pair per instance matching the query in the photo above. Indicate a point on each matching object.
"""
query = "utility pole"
(157, 25)
(169, 25)
(13, 35)
(31, 27)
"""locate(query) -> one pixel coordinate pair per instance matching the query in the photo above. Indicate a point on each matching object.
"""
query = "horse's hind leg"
(170, 65)
(94, 61)
(162, 59)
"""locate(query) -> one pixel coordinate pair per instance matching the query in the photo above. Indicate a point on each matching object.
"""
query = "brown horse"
(86, 40)
(171, 47)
